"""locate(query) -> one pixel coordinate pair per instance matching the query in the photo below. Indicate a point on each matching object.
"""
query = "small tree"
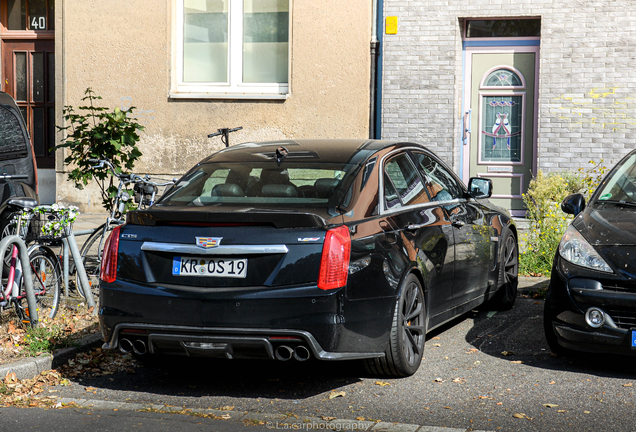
(99, 133)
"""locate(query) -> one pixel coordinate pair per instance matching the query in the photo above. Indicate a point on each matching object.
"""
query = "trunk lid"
(201, 250)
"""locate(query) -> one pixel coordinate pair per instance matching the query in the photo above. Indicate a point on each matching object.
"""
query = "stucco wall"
(587, 85)
(122, 49)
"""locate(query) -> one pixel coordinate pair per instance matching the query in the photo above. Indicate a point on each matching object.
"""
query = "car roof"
(350, 151)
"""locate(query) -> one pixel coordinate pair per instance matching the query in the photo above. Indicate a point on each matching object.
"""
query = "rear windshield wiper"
(619, 203)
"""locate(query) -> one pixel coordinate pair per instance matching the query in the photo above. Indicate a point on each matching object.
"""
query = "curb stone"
(31, 367)
(272, 421)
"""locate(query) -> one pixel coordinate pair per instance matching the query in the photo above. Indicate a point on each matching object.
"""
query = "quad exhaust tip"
(285, 353)
(301, 353)
(139, 347)
(126, 346)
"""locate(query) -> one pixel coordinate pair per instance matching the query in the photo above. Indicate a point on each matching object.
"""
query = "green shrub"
(547, 221)
(98, 133)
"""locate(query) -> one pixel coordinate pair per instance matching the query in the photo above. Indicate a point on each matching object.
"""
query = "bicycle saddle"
(25, 203)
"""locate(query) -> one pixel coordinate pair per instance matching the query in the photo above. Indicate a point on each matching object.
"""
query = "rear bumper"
(233, 323)
(223, 342)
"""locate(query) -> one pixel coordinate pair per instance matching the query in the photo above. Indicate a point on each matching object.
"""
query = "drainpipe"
(375, 51)
(377, 107)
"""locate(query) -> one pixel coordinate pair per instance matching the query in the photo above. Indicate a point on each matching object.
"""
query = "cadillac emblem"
(208, 242)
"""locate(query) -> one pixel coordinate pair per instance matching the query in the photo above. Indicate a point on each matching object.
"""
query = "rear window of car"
(12, 140)
(262, 185)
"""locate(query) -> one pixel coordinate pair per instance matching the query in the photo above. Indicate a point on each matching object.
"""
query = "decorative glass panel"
(17, 15)
(51, 21)
(503, 78)
(21, 76)
(37, 62)
(205, 40)
(50, 77)
(37, 14)
(501, 128)
(503, 28)
(38, 132)
(265, 41)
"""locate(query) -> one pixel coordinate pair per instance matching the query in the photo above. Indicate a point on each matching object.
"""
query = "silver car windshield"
(262, 185)
(621, 186)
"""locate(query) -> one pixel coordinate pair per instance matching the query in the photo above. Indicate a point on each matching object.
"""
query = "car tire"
(508, 279)
(408, 334)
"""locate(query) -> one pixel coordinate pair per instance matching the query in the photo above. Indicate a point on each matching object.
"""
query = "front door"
(501, 95)
(28, 69)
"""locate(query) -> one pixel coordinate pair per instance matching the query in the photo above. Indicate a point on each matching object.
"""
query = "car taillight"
(109, 257)
(334, 265)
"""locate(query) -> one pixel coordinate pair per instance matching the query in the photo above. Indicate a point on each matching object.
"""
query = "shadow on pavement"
(517, 335)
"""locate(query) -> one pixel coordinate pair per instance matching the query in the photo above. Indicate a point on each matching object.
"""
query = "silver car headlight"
(575, 249)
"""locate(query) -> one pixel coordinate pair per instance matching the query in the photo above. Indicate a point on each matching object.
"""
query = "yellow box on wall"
(391, 25)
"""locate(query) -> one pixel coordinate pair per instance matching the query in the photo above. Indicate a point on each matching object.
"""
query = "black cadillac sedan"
(591, 301)
(332, 249)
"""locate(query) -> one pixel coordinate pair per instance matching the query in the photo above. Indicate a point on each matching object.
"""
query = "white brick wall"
(587, 81)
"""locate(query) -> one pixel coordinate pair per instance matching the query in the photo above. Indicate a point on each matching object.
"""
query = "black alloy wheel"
(508, 274)
(408, 334)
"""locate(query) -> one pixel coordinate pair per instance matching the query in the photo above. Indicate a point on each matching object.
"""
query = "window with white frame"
(233, 48)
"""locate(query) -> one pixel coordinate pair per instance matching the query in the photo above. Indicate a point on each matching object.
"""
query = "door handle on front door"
(467, 129)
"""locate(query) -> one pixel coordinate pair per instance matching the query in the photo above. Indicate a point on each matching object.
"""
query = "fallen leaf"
(360, 418)
(437, 345)
(627, 385)
(227, 408)
(226, 416)
(550, 405)
(337, 394)
(507, 353)
(521, 416)
(438, 380)
(560, 411)
(472, 350)
(436, 337)
(517, 362)
(551, 382)
(586, 412)
(382, 383)
(458, 380)
(327, 418)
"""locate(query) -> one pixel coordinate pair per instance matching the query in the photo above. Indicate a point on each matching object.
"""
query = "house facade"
(278, 68)
(502, 89)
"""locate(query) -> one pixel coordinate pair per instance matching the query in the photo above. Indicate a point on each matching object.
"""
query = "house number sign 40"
(38, 23)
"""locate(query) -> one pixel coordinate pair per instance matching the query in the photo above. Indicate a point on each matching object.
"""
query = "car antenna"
(281, 153)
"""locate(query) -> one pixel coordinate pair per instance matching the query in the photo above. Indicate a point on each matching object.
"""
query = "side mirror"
(573, 204)
(480, 187)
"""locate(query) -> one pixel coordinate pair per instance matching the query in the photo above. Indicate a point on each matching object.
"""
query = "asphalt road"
(487, 371)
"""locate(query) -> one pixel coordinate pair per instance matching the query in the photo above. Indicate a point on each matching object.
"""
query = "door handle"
(413, 227)
(467, 126)
(458, 223)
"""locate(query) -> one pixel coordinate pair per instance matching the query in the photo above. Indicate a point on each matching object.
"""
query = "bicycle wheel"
(91, 257)
(6, 229)
(47, 283)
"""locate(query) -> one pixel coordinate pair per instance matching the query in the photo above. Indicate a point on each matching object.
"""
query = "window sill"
(229, 96)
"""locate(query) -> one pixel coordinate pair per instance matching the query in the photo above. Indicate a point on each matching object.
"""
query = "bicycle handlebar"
(224, 131)
(13, 176)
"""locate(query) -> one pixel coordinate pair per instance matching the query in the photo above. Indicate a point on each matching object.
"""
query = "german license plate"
(211, 267)
(633, 338)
